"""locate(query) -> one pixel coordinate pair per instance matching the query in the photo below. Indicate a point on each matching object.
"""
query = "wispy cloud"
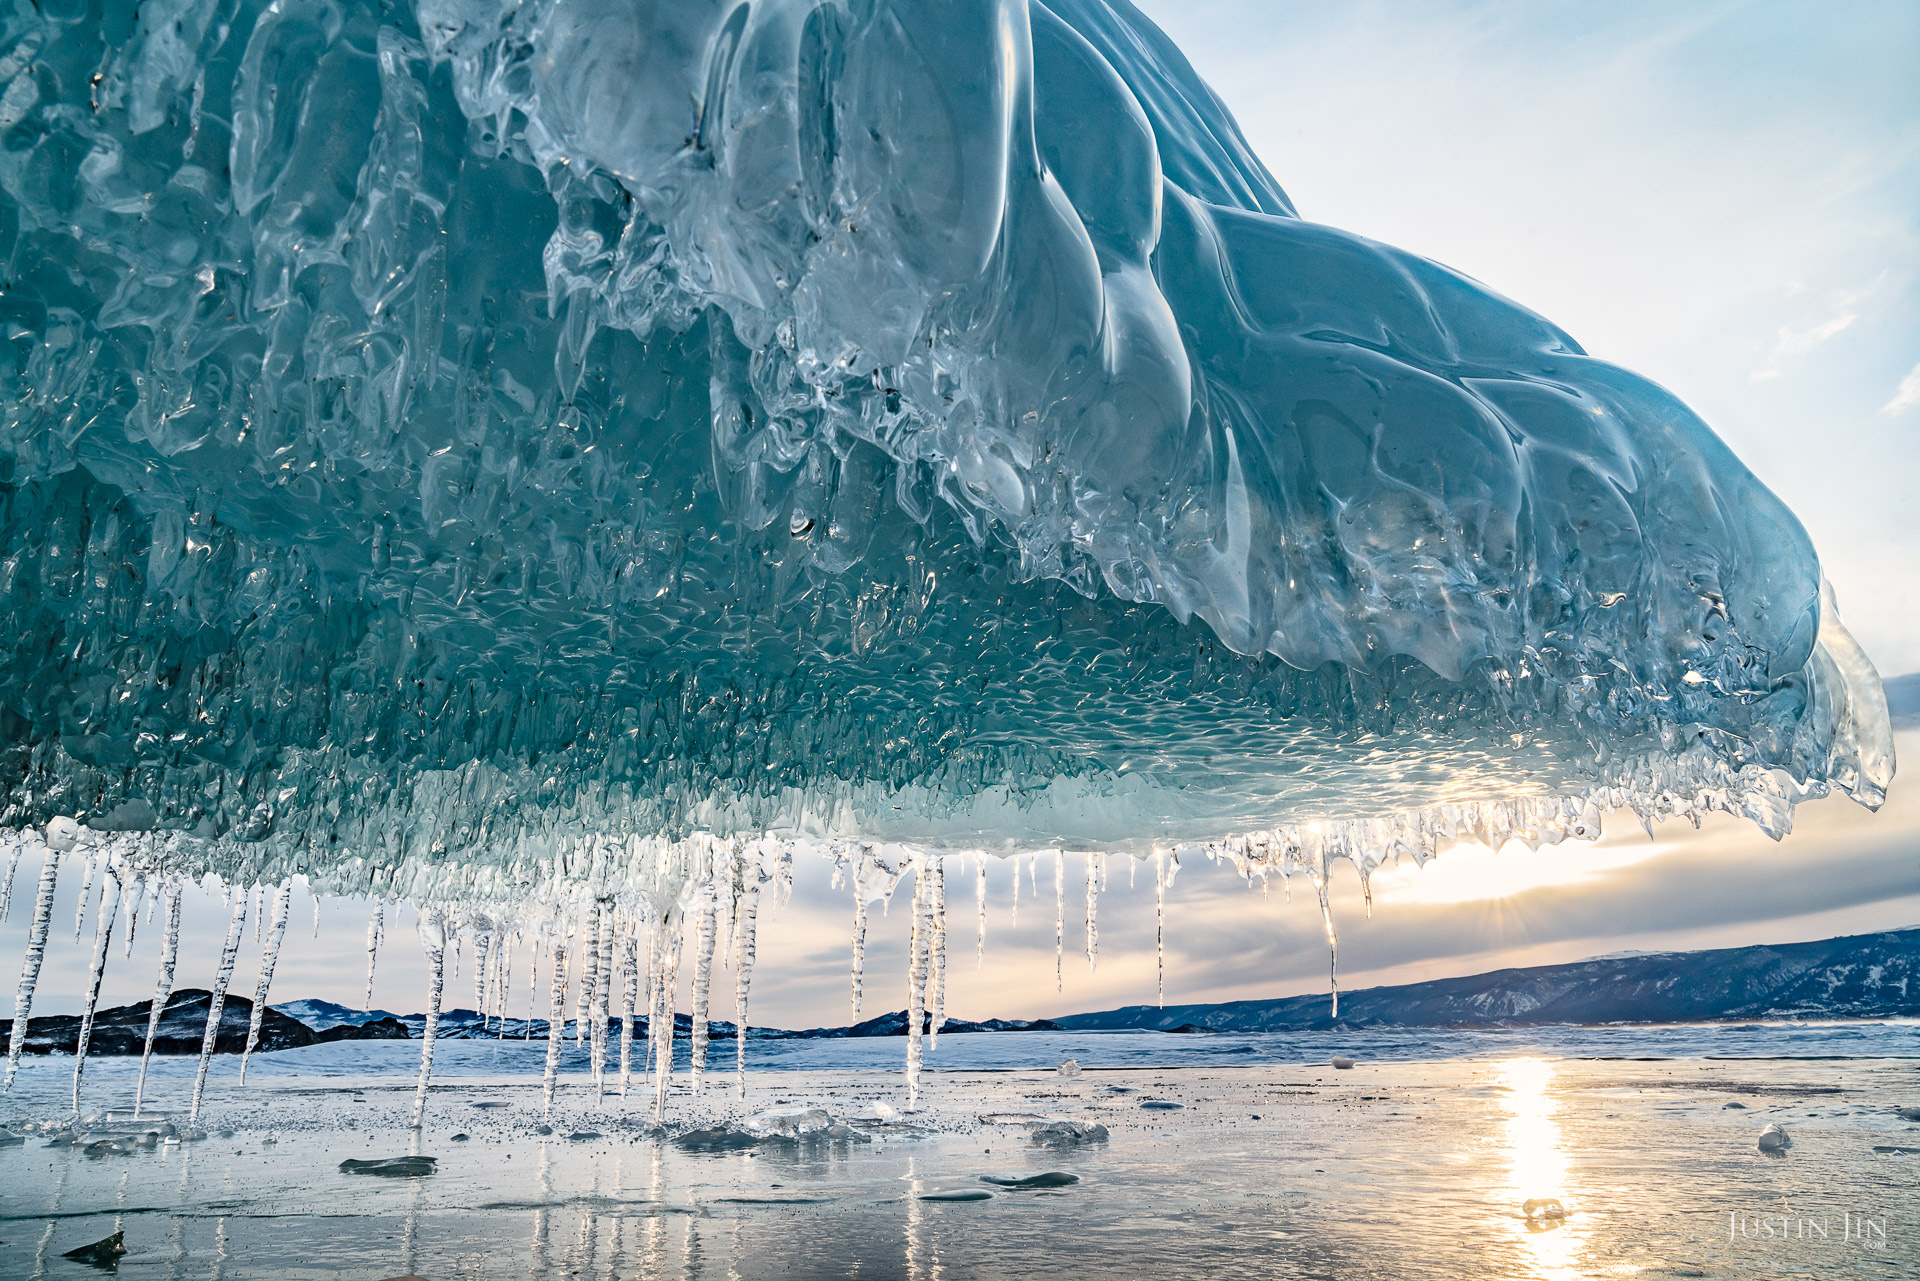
(1798, 342)
(1906, 396)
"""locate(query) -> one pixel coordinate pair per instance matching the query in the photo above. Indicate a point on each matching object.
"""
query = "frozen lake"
(1416, 1163)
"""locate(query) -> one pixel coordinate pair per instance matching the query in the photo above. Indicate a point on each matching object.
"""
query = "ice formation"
(521, 457)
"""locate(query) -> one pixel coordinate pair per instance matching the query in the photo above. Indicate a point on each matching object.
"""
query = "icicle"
(17, 848)
(86, 889)
(980, 898)
(132, 901)
(603, 981)
(376, 930)
(1333, 943)
(1059, 918)
(939, 913)
(259, 895)
(859, 932)
(482, 967)
(504, 986)
(556, 1019)
(316, 908)
(1014, 919)
(1093, 909)
(629, 995)
(433, 941)
(533, 989)
(1160, 923)
(269, 955)
(916, 982)
(704, 938)
(162, 989)
(660, 1026)
(589, 960)
(30, 967)
(749, 915)
(236, 930)
(96, 970)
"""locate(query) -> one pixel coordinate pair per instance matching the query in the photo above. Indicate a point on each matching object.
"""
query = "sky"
(1724, 197)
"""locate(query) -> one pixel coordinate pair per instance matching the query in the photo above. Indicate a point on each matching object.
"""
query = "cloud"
(1906, 396)
(1798, 342)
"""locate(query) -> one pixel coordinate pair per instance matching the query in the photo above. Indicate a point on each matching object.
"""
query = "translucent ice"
(433, 435)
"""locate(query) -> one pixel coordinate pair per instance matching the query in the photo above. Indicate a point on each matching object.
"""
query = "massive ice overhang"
(456, 449)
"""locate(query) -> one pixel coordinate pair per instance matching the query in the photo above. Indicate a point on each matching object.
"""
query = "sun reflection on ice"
(1537, 1186)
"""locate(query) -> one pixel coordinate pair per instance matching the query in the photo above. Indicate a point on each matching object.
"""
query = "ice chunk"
(1065, 1132)
(668, 477)
(789, 1123)
(1342, 1062)
(1774, 1139)
(391, 1167)
(1070, 1068)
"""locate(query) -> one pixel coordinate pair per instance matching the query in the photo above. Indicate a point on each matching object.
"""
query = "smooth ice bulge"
(454, 447)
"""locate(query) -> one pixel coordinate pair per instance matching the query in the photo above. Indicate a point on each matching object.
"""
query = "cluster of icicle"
(603, 905)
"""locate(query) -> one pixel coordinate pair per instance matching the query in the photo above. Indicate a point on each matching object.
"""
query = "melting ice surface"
(517, 455)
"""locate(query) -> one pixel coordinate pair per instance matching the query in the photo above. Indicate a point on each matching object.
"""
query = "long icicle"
(980, 899)
(660, 1027)
(556, 1017)
(743, 965)
(433, 940)
(1014, 918)
(86, 890)
(1333, 941)
(1093, 908)
(96, 970)
(483, 960)
(629, 995)
(533, 988)
(705, 930)
(236, 929)
(938, 909)
(1059, 918)
(376, 931)
(16, 848)
(162, 989)
(505, 986)
(859, 930)
(603, 977)
(132, 900)
(269, 955)
(1160, 923)
(916, 982)
(30, 967)
(589, 961)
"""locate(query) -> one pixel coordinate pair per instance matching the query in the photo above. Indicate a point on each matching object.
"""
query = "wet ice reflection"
(1537, 1187)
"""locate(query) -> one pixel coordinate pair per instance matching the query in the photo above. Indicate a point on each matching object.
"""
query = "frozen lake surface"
(1418, 1162)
